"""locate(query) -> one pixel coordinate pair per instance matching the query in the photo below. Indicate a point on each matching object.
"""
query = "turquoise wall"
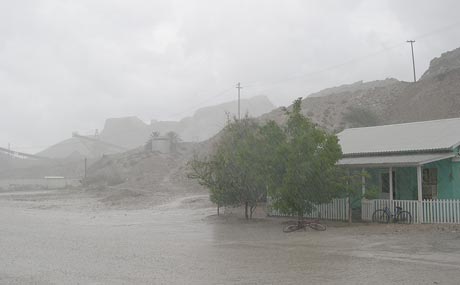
(455, 191)
(406, 180)
(445, 180)
(406, 183)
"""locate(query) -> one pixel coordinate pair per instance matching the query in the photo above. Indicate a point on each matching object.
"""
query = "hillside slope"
(435, 96)
(139, 178)
(131, 132)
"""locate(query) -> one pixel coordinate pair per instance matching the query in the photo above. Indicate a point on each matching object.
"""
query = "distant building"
(161, 144)
(55, 182)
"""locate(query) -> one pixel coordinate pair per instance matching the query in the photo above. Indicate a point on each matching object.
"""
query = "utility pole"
(238, 86)
(85, 167)
(413, 60)
(9, 151)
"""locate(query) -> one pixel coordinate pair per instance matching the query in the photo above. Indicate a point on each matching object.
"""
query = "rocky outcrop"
(120, 134)
(439, 66)
(128, 132)
(208, 121)
(435, 96)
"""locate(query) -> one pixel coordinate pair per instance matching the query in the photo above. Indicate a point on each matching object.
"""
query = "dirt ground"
(74, 237)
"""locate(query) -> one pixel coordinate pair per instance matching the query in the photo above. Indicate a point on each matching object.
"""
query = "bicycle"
(314, 224)
(383, 216)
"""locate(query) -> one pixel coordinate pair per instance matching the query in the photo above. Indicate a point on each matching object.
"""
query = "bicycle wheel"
(380, 216)
(404, 217)
(317, 226)
(291, 228)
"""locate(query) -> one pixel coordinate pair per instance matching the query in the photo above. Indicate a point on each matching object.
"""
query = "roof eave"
(402, 152)
(396, 164)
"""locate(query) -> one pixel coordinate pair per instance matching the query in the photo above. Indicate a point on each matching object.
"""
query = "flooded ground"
(49, 237)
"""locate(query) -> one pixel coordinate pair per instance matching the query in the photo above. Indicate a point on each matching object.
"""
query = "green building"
(420, 159)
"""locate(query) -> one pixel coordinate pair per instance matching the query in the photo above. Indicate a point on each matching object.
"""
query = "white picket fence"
(441, 211)
(336, 210)
(431, 211)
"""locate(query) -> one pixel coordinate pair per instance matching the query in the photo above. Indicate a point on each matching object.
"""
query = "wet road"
(183, 243)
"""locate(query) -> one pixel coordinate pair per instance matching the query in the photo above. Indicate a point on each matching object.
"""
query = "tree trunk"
(246, 214)
(218, 209)
(252, 209)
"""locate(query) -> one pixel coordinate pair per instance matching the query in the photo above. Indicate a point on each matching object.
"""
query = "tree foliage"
(307, 159)
(233, 173)
(295, 163)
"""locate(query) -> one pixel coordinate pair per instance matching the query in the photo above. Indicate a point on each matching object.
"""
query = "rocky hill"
(139, 178)
(128, 132)
(120, 134)
(131, 132)
(435, 96)
(440, 65)
(77, 148)
(208, 121)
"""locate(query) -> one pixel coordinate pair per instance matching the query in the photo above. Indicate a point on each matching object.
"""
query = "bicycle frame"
(393, 216)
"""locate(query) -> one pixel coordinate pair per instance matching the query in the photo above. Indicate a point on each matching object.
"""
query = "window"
(430, 183)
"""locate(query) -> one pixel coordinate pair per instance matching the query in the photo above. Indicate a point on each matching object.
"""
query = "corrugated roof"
(410, 137)
(393, 160)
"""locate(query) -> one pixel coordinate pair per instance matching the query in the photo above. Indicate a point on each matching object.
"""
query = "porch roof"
(417, 137)
(393, 160)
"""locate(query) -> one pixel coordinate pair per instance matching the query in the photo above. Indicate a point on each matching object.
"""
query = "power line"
(353, 60)
(199, 105)
(316, 72)
(436, 31)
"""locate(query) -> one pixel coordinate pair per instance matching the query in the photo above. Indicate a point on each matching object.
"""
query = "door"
(385, 186)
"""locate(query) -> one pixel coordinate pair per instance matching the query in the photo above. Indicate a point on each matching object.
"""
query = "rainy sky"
(68, 65)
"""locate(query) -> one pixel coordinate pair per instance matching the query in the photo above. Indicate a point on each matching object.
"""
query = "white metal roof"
(392, 160)
(419, 136)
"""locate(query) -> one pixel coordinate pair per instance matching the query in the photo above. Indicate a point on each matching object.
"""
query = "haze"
(67, 66)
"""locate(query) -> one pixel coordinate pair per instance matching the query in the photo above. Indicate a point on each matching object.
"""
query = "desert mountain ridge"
(436, 95)
(131, 132)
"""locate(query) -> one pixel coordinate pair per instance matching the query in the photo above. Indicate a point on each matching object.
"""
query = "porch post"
(419, 193)
(363, 182)
(390, 178)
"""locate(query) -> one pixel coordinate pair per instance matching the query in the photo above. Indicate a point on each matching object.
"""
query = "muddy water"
(184, 243)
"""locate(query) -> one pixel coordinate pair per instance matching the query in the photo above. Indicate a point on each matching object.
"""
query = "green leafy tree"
(305, 168)
(295, 164)
(352, 183)
(234, 172)
(211, 173)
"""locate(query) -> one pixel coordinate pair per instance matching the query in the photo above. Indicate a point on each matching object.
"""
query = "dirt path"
(183, 242)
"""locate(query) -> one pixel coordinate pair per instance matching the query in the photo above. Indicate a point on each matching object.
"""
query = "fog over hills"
(208, 121)
(436, 95)
(131, 132)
